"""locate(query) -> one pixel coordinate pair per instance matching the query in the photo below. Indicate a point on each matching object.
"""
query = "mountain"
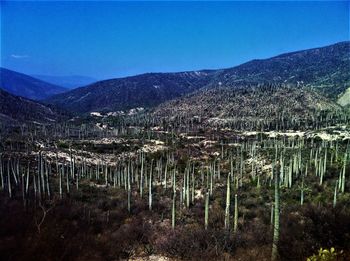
(16, 109)
(248, 103)
(26, 86)
(69, 82)
(146, 90)
(325, 68)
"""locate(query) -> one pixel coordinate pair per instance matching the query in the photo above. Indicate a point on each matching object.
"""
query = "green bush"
(326, 255)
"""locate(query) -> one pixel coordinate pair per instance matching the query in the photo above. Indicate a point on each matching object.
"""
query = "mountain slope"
(23, 85)
(248, 103)
(18, 109)
(146, 90)
(344, 99)
(325, 68)
(69, 82)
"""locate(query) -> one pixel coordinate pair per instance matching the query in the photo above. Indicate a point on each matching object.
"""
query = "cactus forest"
(144, 186)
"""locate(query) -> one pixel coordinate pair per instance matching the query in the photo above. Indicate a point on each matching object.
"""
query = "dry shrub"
(304, 231)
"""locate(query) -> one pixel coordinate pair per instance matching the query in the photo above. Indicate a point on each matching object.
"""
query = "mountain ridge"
(70, 82)
(20, 84)
(323, 68)
(144, 90)
(297, 67)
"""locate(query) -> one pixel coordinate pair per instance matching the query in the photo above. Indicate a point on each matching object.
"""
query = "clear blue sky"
(113, 39)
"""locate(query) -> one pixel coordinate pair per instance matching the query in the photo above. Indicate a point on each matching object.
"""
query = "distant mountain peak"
(67, 81)
(26, 86)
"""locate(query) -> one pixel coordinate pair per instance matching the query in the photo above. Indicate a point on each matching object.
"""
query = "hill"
(325, 68)
(146, 90)
(16, 109)
(26, 86)
(248, 104)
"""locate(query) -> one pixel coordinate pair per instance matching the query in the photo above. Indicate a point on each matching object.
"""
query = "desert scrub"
(63, 145)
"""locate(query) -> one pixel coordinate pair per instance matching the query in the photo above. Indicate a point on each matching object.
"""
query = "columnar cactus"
(67, 182)
(276, 226)
(2, 173)
(60, 181)
(141, 176)
(235, 219)
(173, 210)
(227, 210)
(129, 191)
(165, 175)
(9, 179)
(272, 214)
(206, 214)
(188, 188)
(192, 187)
(27, 180)
(335, 194)
(343, 176)
(150, 189)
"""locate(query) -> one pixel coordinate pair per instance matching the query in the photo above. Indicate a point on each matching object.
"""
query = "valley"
(246, 163)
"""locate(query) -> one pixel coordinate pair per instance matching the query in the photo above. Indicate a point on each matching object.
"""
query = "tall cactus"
(141, 175)
(27, 180)
(211, 183)
(206, 214)
(276, 226)
(67, 181)
(173, 213)
(2, 174)
(335, 194)
(129, 191)
(187, 188)
(272, 214)
(9, 179)
(193, 186)
(302, 192)
(165, 175)
(235, 219)
(343, 176)
(227, 210)
(60, 180)
(150, 188)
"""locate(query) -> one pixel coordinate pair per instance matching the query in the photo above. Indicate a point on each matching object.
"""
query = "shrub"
(326, 255)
